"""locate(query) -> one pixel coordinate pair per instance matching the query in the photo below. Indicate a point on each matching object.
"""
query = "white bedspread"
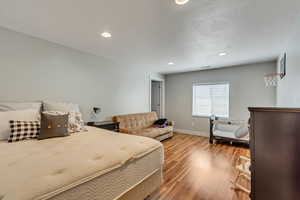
(41, 169)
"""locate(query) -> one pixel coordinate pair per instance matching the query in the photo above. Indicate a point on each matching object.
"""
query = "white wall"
(35, 69)
(288, 93)
(247, 88)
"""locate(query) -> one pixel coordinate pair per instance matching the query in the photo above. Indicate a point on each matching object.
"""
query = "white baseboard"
(191, 132)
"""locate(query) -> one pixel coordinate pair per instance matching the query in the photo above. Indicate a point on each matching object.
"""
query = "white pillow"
(241, 132)
(10, 106)
(19, 115)
(63, 107)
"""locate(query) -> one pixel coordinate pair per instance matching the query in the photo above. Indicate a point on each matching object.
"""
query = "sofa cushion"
(152, 132)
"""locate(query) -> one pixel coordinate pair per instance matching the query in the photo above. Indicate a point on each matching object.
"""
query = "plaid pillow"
(22, 130)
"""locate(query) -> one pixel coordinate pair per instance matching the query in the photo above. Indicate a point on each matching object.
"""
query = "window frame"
(214, 83)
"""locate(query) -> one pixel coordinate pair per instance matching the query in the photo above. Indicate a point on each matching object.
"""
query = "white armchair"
(228, 130)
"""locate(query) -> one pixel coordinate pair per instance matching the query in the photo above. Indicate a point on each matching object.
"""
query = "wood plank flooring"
(196, 170)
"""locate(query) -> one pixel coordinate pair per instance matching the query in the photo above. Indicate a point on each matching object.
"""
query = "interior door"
(156, 97)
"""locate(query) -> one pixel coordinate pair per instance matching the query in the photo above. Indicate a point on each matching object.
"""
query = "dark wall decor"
(282, 68)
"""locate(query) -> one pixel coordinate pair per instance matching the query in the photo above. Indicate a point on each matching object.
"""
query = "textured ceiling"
(150, 33)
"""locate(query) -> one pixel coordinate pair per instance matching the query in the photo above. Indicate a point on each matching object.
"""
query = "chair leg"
(211, 140)
(242, 188)
(246, 176)
(237, 186)
(235, 181)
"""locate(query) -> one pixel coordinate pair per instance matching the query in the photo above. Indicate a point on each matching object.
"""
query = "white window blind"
(211, 99)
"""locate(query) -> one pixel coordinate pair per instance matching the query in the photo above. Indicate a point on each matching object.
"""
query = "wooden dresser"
(108, 125)
(275, 153)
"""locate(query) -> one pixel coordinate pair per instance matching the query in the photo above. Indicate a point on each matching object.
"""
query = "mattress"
(97, 164)
(229, 135)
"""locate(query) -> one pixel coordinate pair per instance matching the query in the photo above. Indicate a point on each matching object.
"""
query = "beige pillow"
(63, 107)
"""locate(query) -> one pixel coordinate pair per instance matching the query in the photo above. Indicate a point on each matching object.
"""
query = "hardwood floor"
(196, 170)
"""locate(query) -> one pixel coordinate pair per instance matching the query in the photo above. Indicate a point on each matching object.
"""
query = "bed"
(97, 164)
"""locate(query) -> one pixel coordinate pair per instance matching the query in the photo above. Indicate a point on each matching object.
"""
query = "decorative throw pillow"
(22, 130)
(19, 115)
(76, 123)
(53, 125)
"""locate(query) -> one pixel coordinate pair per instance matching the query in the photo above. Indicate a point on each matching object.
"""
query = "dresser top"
(274, 109)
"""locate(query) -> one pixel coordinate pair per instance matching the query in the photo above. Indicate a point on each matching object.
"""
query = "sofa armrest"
(123, 130)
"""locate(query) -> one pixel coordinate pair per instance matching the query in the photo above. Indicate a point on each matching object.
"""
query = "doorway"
(156, 97)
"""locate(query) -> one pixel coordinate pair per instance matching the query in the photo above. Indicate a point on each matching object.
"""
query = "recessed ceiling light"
(181, 2)
(106, 34)
(170, 63)
(223, 54)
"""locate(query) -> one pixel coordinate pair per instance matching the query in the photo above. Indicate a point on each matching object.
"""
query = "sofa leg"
(211, 141)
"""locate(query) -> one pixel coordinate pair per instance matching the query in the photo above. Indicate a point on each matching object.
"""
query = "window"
(211, 99)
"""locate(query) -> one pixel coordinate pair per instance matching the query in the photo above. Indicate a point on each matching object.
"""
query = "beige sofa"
(141, 124)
